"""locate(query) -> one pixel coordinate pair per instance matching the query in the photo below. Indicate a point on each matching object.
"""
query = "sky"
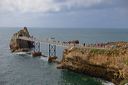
(64, 13)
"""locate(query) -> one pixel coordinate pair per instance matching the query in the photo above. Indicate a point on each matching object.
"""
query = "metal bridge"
(53, 43)
(47, 41)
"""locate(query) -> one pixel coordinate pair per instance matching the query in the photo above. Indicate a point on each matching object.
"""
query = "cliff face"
(18, 45)
(109, 64)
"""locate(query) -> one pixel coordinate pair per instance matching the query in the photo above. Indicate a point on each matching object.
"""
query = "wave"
(107, 83)
(22, 53)
(44, 58)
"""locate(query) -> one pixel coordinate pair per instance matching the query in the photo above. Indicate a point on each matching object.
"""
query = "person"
(84, 44)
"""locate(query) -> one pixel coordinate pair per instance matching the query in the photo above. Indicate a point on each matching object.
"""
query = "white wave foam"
(20, 53)
(44, 58)
(107, 83)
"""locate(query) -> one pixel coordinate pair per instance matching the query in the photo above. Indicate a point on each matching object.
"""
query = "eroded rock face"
(18, 45)
(109, 64)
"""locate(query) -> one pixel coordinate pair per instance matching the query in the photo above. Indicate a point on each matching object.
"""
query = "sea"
(26, 70)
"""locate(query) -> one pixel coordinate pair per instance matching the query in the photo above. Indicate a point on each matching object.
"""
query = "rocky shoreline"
(110, 64)
(108, 61)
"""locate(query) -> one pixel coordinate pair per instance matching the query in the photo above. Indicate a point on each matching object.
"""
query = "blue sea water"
(25, 70)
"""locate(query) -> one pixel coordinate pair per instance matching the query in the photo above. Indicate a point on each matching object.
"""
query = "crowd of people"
(100, 45)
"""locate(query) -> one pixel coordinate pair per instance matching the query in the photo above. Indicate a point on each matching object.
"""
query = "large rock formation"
(110, 64)
(19, 45)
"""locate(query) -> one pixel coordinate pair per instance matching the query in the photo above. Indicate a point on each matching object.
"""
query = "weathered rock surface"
(109, 64)
(18, 45)
(52, 59)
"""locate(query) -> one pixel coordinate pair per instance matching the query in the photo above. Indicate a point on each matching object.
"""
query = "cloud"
(28, 5)
(45, 5)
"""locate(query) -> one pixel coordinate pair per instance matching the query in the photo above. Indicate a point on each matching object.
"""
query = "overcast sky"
(64, 13)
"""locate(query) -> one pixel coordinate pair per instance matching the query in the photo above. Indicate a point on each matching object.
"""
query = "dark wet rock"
(18, 45)
(36, 54)
(52, 59)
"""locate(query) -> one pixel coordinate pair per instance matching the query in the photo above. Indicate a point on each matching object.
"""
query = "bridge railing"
(59, 43)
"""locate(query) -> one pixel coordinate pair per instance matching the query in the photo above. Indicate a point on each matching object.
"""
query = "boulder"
(19, 45)
(52, 59)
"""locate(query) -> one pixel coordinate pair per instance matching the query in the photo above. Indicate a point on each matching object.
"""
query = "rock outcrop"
(110, 64)
(53, 60)
(19, 45)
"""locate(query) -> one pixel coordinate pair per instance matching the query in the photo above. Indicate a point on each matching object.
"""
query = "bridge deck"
(58, 43)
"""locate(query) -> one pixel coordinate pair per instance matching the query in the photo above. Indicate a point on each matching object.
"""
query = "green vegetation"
(108, 52)
(126, 62)
(95, 51)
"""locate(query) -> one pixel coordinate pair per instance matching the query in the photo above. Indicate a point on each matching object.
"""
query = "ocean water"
(25, 70)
